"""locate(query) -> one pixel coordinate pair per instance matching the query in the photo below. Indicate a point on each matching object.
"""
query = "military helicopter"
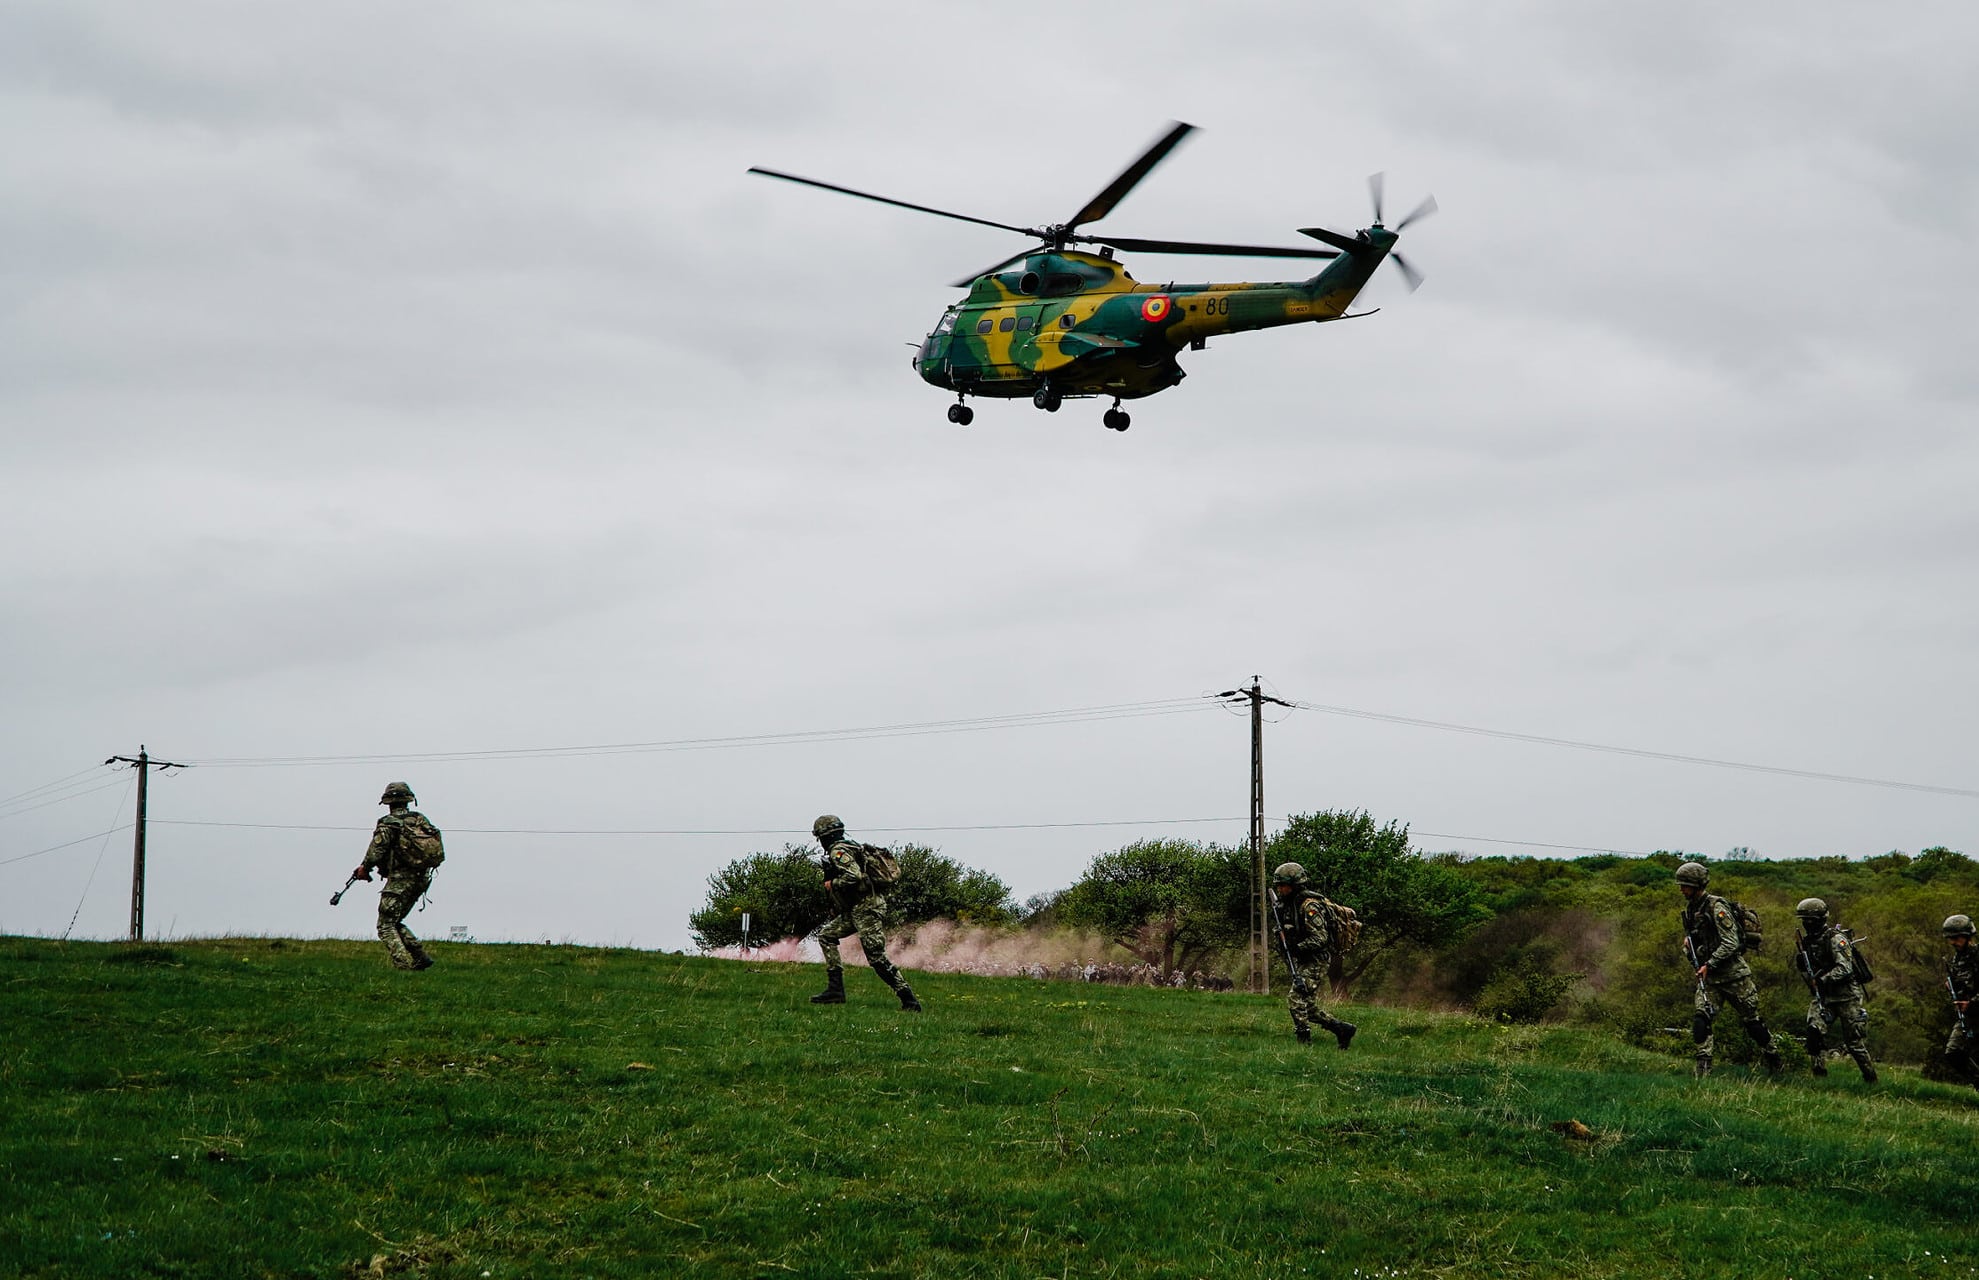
(1053, 322)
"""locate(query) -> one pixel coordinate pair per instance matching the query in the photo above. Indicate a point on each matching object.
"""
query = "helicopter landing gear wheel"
(961, 414)
(1117, 419)
(1047, 399)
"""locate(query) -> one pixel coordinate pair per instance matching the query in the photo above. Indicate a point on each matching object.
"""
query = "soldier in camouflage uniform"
(861, 910)
(1828, 963)
(405, 878)
(1962, 971)
(1713, 944)
(1308, 932)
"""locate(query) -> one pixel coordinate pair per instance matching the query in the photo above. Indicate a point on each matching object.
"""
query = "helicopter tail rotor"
(1376, 184)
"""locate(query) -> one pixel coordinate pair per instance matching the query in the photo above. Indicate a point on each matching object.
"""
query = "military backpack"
(1856, 960)
(881, 868)
(1751, 933)
(418, 846)
(1344, 923)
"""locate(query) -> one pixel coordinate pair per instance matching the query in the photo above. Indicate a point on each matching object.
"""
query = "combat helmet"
(1811, 909)
(826, 824)
(1289, 873)
(1694, 873)
(1959, 926)
(397, 793)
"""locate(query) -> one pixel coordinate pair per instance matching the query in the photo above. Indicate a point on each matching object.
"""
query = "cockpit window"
(947, 324)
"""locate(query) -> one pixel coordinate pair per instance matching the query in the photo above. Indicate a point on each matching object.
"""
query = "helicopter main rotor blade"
(867, 195)
(966, 281)
(1376, 182)
(1423, 210)
(1116, 191)
(1409, 273)
(1217, 250)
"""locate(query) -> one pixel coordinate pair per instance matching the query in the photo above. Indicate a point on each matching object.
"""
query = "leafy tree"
(1939, 861)
(1402, 898)
(1163, 900)
(933, 887)
(784, 894)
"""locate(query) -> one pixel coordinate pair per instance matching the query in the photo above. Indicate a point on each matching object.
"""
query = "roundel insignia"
(1155, 308)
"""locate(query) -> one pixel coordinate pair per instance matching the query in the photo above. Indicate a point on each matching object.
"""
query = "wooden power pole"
(1255, 695)
(143, 765)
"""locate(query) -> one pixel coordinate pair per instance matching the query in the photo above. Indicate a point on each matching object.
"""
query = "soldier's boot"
(834, 992)
(1304, 1034)
(1863, 1065)
(401, 955)
(1343, 1032)
(1702, 1066)
(907, 1000)
(1963, 1064)
(420, 960)
(1817, 1053)
(1768, 1054)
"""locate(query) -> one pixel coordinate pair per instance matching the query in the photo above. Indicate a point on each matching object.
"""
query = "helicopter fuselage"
(1073, 324)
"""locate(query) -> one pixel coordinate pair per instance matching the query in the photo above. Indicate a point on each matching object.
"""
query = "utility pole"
(1254, 694)
(143, 765)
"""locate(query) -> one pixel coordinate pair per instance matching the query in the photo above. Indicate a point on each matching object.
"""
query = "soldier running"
(406, 848)
(1713, 943)
(861, 909)
(1828, 964)
(1962, 975)
(1308, 934)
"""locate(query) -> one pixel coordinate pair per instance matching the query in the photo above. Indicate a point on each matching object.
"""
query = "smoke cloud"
(944, 946)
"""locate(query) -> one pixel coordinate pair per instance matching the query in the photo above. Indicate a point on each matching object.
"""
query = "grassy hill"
(271, 1108)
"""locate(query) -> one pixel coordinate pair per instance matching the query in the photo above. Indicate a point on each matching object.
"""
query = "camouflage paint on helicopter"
(1073, 324)
(1068, 323)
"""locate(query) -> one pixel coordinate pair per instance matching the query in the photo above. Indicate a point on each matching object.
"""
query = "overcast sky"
(381, 380)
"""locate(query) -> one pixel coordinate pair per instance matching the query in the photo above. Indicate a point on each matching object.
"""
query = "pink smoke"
(943, 946)
(784, 950)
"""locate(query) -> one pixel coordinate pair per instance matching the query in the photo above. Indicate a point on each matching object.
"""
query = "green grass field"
(256, 1107)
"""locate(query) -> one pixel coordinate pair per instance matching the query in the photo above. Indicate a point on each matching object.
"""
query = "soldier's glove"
(362, 873)
(1302, 985)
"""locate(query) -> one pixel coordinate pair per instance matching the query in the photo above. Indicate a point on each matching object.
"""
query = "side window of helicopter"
(1065, 321)
(1023, 323)
(983, 326)
(1007, 323)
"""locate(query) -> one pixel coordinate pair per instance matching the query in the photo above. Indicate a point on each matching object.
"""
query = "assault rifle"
(1805, 967)
(1690, 953)
(338, 896)
(1965, 1028)
(1300, 983)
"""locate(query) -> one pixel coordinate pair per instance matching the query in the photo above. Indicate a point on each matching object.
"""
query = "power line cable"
(975, 724)
(724, 831)
(784, 831)
(77, 914)
(1529, 844)
(46, 786)
(1358, 714)
(62, 799)
(66, 843)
